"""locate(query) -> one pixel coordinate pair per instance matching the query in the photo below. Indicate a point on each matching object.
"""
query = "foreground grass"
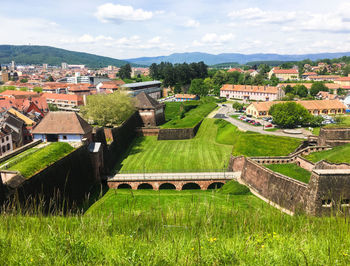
(254, 144)
(339, 154)
(34, 162)
(174, 228)
(192, 117)
(291, 170)
(200, 153)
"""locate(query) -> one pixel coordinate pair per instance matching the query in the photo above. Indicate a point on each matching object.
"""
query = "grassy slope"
(339, 154)
(175, 228)
(254, 144)
(33, 163)
(291, 170)
(192, 117)
(201, 152)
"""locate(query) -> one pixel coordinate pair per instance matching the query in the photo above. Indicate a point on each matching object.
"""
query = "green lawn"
(192, 117)
(254, 144)
(172, 109)
(291, 170)
(339, 154)
(34, 162)
(200, 153)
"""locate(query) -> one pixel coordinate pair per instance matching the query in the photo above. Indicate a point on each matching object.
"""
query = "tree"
(38, 89)
(289, 89)
(50, 79)
(209, 85)
(237, 106)
(52, 107)
(125, 72)
(290, 114)
(111, 109)
(24, 80)
(301, 91)
(198, 88)
(316, 87)
(23, 89)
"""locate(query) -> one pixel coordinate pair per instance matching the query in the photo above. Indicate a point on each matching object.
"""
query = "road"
(228, 111)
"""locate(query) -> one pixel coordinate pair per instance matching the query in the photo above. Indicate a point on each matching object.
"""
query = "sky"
(129, 29)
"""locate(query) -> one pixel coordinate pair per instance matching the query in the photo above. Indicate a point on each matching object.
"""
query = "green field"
(339, 154)
(174, 228)
(34, 162)
(254, 144)
(200, 153)
(291, 170)
(191, 118)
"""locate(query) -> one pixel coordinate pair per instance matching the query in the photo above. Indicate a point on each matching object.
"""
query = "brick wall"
(279, 189)
(178, 133)
(326, 165)
(306, 164)
(334, 136)
(145, 131)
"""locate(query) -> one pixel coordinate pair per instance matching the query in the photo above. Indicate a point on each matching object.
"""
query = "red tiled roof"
(343, 79)
(187, 96)
(67, 97)
(235, 69)
(285, 71)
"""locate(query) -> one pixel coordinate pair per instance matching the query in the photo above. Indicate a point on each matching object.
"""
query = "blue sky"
(126, 29)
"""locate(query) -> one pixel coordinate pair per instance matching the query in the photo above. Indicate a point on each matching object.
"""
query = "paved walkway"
(176, 176)
(227, 111)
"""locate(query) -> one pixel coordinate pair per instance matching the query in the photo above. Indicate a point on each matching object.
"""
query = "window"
(7, 138)
(345, 203)
(8, 146)
(2, 140)
(64, 137)
(3, 149)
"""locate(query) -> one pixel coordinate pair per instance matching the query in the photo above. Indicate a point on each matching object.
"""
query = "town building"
(152, 88)
(315, 107)
(185, 97)
(16, 126)
(248, 92)
(63, 127)
(109, 86)
(66, 102)
(150, 110)
(284, 74)
(325, 95)
(5, 141)
(331, 86)
(343, 81)
(323, 78)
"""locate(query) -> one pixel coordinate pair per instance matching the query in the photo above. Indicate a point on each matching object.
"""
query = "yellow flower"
(192, 249)
(31, 260)
(262, 246)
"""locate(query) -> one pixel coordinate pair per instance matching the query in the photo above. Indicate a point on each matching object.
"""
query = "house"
(284, 74)
(62, 127)
(323, 78)
(185, 97)
(315, 107)
(331, 86)
(16, 126)
(150, 110)
(343, 81)
(152, 88)
(111, 86)
(325, 95)
(6, 145)
(235, 69)
(68, 102)
(308, 74)
(29, 123)
(247, 92)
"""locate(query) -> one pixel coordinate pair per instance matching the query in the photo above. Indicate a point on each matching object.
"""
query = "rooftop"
(140, 84)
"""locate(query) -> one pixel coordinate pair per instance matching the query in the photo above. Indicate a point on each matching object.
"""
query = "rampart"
(20, 150)
(327, 192)
(178, 133)
(334, 136)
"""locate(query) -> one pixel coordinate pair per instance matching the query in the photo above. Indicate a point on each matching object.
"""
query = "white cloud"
(256, 15)
(117, 13)
(215, 38)
(155, 40)
(191, 23)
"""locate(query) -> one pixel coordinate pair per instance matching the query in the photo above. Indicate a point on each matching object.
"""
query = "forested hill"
(28, 54)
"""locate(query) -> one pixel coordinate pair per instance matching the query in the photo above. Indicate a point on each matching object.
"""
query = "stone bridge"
(178, 181)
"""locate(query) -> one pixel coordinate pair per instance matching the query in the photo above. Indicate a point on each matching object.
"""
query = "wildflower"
(31, 260)
(262, 246)
(212, 239)
(345, 254)
(192, 249)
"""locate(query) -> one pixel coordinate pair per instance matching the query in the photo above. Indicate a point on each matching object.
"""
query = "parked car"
(257, 123)
(249, 115)
(268, 125)
(242, 117)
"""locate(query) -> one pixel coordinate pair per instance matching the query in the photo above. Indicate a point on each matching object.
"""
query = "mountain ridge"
(212, 59)
(37, 54)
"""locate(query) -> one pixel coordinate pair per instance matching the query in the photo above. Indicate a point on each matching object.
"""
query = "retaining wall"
(178, 133)
(303, 163)
(146, 131)
(334, 136)
(277, 188)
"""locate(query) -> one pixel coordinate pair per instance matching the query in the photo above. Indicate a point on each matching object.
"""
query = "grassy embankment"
(175, 228)
(209, 150)
(339, 154)
(254, 144)
(291, 170)
(193, 112)
(38, 160)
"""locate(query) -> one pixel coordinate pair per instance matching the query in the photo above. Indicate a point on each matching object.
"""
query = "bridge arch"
(124, 185)
(190, 185)
(167, 186)
(145, 186)
(215, 185)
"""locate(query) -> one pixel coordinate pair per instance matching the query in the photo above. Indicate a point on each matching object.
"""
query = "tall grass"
(174, 228)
